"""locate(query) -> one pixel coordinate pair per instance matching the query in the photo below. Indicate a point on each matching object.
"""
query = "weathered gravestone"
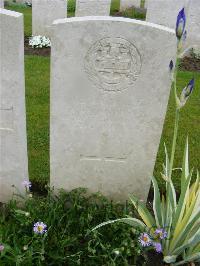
(92, 8)
(13, 145)
(124, 4)
(1, 3)
(193, 28)
(44, 12)
(109, 91)
(164, 12)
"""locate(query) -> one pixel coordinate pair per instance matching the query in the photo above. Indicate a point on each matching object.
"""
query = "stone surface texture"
(164, 12)
(13, 144)
(124, 4)
(193, 28)
(1, 3)
(44, 12)
(110, 86)
(92, 8)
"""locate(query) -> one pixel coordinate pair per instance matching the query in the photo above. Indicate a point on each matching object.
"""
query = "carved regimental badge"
(113, 64)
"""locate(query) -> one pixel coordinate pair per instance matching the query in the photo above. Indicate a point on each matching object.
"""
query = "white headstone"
(44, 12)
(193, 28)
(1, 3)
(92, 8)
(124, 4)
(164, 12)
(110, 85)
(13, 144)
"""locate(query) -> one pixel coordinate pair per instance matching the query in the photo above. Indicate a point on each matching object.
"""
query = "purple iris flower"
(180, 23)
(186, 92)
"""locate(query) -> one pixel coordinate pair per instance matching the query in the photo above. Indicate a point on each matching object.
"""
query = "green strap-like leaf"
(193, 241)
(182, 201)
(143, 212)
(130, 221)
(157, 206)
(185, 165)
(195, 257)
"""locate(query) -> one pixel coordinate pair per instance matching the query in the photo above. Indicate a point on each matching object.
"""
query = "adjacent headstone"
(44, 12)
(1, 3)
(13, 144)
(124, 4)
(92, 8)
(164, 12)
(193, 28)
(109, 91)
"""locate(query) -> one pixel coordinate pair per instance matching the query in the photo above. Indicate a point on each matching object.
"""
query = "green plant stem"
(174, 141)
(176, 114)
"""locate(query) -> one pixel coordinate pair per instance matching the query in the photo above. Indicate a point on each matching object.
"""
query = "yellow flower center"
(145, 239)
(40, 228)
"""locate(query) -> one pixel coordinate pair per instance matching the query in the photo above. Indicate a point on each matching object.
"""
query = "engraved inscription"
(103, 159)
(113, 64)
(6, 119)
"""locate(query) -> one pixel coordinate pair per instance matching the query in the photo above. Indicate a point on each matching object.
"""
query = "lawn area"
(27, 11)
(37, 71)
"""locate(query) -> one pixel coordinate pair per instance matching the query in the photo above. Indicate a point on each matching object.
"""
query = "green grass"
(189, 125)
(37, 99)
(69, 241)
(37, 72)
(27, 11)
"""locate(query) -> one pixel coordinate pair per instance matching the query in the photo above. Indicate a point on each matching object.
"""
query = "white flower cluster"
(39, 41)
(196, 52)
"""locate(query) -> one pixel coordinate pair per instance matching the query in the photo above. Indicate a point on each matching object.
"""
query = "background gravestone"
(164, 12)
(1, 3)
(13, 145)
(110, 85)
(44, 12)
(124, 4)
(193, 28)
(92, 8)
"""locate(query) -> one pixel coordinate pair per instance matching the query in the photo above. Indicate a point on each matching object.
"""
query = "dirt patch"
(28, 50)
(190, 64)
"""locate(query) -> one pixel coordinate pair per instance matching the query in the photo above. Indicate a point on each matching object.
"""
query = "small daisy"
(27, 184)
(158, 247)
(161, 233)
(1, 247)
(145, 240)
(40, 228)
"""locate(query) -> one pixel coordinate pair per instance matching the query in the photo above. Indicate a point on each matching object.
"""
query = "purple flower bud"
(184, 35)
(1, 247)
(186, 92)
(171, 65)
(158, 247)
(180, 23)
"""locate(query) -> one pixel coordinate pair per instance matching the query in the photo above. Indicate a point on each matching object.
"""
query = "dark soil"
(154, 259)
(28, 50)
(190, 64)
